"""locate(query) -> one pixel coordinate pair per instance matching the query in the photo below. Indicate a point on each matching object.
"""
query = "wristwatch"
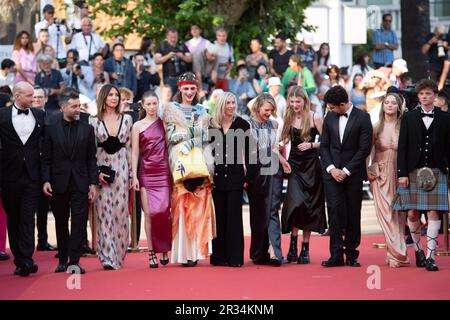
(386, 44)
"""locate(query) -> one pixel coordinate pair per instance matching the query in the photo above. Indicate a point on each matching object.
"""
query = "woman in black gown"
(304, 205)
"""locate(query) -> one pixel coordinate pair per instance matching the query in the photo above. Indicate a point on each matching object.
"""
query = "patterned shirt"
(380, 36)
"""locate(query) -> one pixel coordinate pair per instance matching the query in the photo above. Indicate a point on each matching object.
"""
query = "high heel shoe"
(164, 261)
(153, 259)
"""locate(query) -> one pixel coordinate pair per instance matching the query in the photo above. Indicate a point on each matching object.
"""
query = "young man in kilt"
(424, 142)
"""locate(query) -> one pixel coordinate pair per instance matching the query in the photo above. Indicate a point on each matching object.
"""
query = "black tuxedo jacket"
(17, 156)
(355, 147)
(410, 141)
(59, 163)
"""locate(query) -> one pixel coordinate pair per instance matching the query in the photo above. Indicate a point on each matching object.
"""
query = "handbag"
(108, 171)
(426, 179)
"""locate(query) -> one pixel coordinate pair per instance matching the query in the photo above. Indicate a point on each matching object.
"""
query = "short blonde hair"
(260, 100)
(125, 93)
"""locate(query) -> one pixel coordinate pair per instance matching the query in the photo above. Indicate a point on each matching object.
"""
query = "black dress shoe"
(164, 261)
(274, 261)
(352, 263)
(87, 250)
(108, 267)
(431, 265)
(420, 259)
(333, 263)
(33, 269)
(75, 268)
(189, 263)
(4, 256)
(22, 271)
(46, 247)
(62, 267)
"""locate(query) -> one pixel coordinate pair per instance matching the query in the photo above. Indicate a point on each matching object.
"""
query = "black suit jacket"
(59, 164)
(17, 156)
(355, 147)
(410, 141)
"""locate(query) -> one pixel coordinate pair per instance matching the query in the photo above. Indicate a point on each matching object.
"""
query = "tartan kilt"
(414, 198)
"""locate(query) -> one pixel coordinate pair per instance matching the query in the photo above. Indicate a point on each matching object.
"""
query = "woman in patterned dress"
(113, 136)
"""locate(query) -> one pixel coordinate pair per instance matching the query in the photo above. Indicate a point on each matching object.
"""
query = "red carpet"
(292, 281)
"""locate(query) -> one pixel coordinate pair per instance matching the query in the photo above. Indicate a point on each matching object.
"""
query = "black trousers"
(344, 217)
(73, 204)
(228, 246)
(20, 200)
(42, 218)
(264, 195)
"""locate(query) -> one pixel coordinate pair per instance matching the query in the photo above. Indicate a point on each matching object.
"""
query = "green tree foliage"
(243, 18)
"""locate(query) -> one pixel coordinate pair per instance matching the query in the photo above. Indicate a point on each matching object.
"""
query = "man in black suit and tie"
(70, 175)
(346, 142)
(21, 130)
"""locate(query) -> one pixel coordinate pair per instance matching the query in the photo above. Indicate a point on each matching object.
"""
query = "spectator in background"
(212, 101)
(385, 41)
(120, 69)
(256, 58)
(357, 95)
(145, 80)
(87, 42)
(197, 46)
(299, 75)
(344, 79)
(42, 41)
(441, 101)
(323, 59)
(242, 89)
(100, 75)
(222, 53)
(56, 30)
(175, 58)
(399, 67)
(146, 50)
(305, 50)
(279, 56)
(82, 11)
(436, 46)
(166, 95)
(78, 76)
(261, 79)
(7, 73)
(24, 58)
(47, 49)
(51, 80)
(361, 65)
(333, 74)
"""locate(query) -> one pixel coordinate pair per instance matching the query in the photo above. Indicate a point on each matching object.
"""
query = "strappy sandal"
(153, 259)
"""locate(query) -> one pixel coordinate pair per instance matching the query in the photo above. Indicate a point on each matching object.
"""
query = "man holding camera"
(175, 58)
(436, 46)
(120, 69)
(78, 76)
(86, 42)
(56, 29)
(51, 81)
(145, 80)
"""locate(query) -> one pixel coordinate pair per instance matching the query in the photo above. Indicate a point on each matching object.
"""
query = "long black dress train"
(304, 205)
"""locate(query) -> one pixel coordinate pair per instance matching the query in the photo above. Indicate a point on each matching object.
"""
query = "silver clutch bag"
(426, 179)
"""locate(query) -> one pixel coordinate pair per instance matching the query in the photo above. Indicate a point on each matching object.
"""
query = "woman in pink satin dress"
(153, 179)
(383, 179)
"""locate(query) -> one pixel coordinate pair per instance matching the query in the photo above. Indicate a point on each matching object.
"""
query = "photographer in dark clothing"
(436, 46)
(175, 58)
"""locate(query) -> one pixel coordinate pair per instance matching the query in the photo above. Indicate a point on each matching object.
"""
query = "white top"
(55, 39)
(427, 121)
(86, 44)
(342, 124)
(23, 124)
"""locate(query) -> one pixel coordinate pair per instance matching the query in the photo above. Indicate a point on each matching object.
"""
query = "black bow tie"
(26, 111)
(423, 114)
(343, 115)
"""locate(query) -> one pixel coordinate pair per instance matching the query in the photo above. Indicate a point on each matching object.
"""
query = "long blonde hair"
(259, 102)
(380, 126)
(217, 116)
(305, 130)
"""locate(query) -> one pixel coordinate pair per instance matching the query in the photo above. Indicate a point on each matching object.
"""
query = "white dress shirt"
(342, 124)
(86, 45)
(427, 121)
(23, 124)
(55, 36)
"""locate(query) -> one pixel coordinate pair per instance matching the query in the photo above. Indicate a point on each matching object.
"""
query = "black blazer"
(410, 141)
(228, 177)
(58, 164)
(17, 156)
(355, 147)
